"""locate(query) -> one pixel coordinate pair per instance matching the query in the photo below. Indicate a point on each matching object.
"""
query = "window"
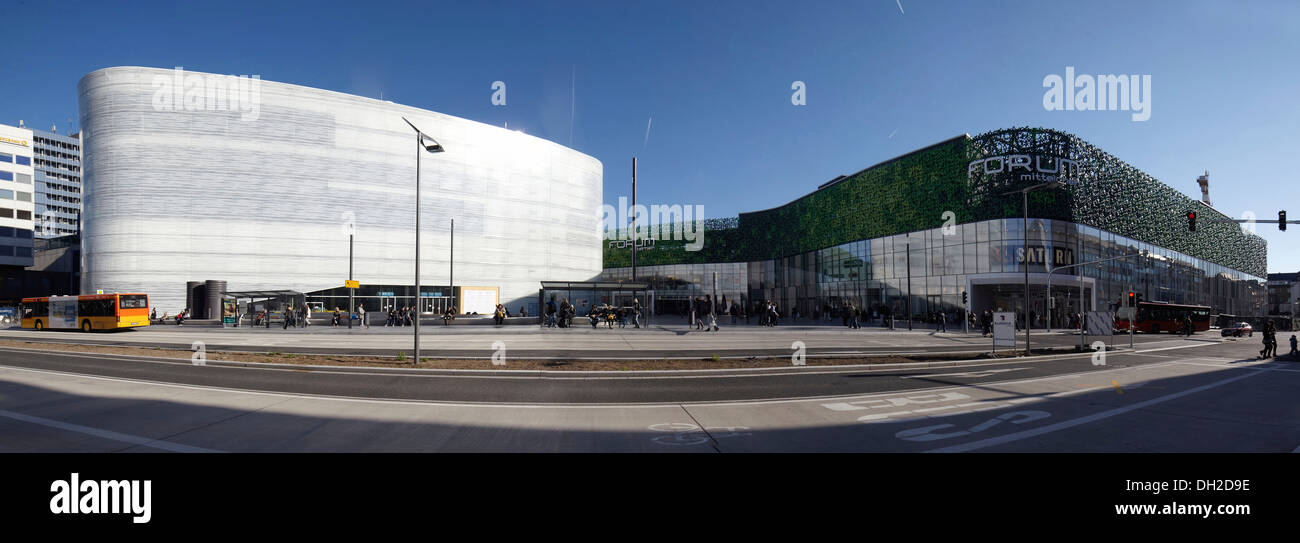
(134, 301)
(6, 157)
(24, 215)
(6, 250)
(6, 231)
(24, 160)
(25, 252)
(6, 213)
(22, 234)
(96, 308)
(24, 196)
(23, 178)
(7, 194)
(6, 176)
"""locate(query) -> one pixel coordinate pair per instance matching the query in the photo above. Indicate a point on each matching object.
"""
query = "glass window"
(6, 176)
(952, 260)
(24, 196)
(134, 301)
(23, 215)
(23, 251)
(6, 213)
(23, 160)
(6, 231)
(6, 157)
(23, 178)
(22, 234)
(6, 250)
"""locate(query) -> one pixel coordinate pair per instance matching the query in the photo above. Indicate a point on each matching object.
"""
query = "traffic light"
(963, 297)
(1281, 221)
(1191, 221)
(1132, 299)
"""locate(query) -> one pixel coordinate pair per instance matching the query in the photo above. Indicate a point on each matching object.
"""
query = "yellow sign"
(14, 141)
(352, 284)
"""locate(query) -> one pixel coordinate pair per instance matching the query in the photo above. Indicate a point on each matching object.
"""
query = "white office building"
(16, 205)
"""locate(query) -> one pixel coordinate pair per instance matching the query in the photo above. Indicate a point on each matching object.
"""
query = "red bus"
(1156, 317)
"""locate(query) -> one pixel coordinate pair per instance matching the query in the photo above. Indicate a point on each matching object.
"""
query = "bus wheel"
(85, 325)
(39, 326)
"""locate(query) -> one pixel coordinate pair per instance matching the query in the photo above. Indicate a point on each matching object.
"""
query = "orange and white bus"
(87, 312)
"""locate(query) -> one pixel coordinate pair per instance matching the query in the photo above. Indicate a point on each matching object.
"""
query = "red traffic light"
(1191, 221)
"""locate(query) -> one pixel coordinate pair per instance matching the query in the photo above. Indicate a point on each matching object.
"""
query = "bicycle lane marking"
(1025, 434)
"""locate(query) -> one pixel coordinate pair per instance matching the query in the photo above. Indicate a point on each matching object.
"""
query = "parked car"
(1239, 329)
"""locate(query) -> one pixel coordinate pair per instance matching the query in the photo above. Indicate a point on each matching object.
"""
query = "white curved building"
(192, 176)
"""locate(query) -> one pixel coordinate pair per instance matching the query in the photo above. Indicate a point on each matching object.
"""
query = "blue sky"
(716, 79)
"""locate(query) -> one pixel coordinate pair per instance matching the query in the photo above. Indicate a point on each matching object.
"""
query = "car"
(1238, 329)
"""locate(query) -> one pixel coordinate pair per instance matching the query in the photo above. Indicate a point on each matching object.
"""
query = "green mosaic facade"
(912, 192)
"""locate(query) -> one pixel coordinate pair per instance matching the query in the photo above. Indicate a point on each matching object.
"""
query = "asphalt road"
(532, 342)
(1177, 395)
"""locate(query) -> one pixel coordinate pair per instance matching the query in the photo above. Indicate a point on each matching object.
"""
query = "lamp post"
(422, 141)
(1024, 249)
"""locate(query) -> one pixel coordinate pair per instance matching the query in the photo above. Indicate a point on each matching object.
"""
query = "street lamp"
(1024, 250)
(422, 141)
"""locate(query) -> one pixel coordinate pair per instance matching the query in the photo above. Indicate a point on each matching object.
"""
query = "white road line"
(1000, 440)
(107, 434)
(975, 373)
(646, 405)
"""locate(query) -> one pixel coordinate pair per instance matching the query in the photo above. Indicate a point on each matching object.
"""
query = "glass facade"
(986, 259)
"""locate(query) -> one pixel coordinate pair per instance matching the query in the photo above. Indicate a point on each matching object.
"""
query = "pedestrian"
(361, 312)
(448, 316)
(306, 315)
(713, 313)
(1293, 344)
(523, 312)
(566, 313)
(636, 313)
(943, 322)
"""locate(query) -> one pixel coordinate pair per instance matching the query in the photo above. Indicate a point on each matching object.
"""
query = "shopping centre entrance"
(997, 292)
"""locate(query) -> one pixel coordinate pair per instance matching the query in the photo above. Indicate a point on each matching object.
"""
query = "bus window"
(134, 301)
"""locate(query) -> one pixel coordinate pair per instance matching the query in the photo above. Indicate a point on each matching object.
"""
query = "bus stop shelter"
(268, 300)
(584, 295)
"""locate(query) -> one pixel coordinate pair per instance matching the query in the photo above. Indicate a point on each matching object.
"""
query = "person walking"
(1293, 345)
(636, 313)
(361, 316)
(712, 312)
(1271, 332)
(943, 322)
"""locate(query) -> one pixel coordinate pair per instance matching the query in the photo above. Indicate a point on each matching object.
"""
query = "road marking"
(1000, 440)
(1115, 384)
(107, 434)
(507, 405)
(980, 373)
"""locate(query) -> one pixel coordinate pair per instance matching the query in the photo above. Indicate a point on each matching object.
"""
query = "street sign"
(1100, 323)
(352, 284)
(1004, 329)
